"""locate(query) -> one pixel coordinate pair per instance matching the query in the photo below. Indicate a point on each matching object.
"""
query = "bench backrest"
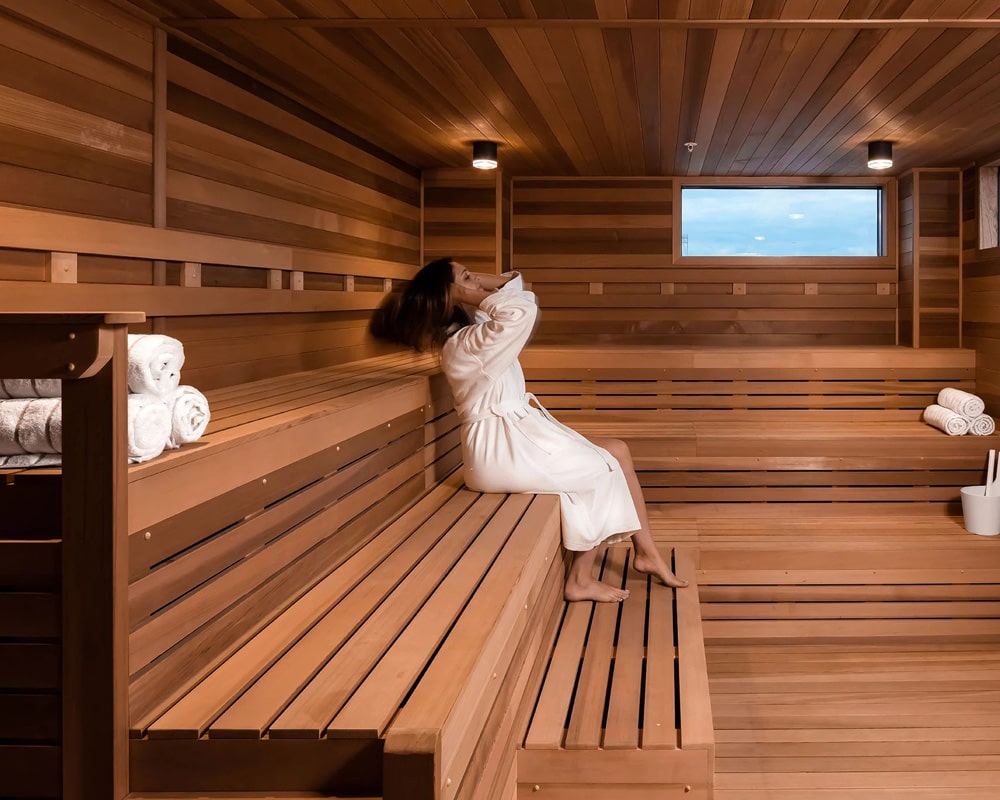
(843, 383)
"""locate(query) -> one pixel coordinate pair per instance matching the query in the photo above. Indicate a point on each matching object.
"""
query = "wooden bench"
(310, 583)
(314, 602)
(721, 429)
(272, 648)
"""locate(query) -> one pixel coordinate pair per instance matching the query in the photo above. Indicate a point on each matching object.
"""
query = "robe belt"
(504, 409)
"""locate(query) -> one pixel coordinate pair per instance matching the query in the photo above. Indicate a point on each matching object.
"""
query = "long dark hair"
(419, 317)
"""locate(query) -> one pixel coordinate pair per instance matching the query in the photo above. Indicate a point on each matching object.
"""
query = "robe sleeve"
(497, 342)
(516, 283)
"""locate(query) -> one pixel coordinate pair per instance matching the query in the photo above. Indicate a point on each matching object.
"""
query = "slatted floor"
(849, 656)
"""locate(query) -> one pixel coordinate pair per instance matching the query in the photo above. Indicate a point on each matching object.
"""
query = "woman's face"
(464, 283)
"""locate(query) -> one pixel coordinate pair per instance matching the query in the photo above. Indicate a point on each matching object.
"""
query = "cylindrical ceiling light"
(484, 155)
(879, 155)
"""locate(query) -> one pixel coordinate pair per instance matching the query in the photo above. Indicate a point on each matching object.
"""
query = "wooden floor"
(853, 656)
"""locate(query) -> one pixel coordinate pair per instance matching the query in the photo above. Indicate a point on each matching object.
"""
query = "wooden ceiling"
(616, 87)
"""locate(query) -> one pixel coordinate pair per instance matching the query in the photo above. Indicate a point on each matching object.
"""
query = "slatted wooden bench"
(624, 709)
(718, 429)
(275, 652)
(316, 604)
(309, 584)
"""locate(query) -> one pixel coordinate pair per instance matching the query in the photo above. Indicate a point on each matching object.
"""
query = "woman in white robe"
(509, 442)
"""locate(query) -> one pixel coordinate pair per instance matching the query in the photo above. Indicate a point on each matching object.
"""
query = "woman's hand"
(488, 281)
(468, 294)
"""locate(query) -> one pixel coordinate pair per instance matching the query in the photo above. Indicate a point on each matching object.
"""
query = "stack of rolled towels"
(957, 413)
(162, 414)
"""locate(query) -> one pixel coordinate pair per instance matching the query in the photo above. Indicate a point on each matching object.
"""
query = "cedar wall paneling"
(980, 297)
(77, 91)
(598, 252)
(936, 258)
(466, 217)
(243, 161)
(76, 129)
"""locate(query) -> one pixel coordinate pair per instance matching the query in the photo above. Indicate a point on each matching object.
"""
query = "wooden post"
(95, 581)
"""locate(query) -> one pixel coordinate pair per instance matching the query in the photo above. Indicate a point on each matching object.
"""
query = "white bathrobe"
(511, 444)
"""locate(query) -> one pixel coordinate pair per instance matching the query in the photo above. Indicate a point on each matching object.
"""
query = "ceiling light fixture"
(484, 155)
(879, 155)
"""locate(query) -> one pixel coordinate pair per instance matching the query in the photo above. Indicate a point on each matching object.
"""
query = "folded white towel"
(154, 364)
(34, 427)
(952, 423)
(148, 427)
(30, 387)
(983, 425)
(189, 415)
(31, 426)
(31, 460)
(964, 403)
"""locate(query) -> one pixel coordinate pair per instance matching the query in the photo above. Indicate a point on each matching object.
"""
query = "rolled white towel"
(964, 403)
(31, 426)
(31, 460)
(951, 422)
(148, 427)
(30, 387)
(34, 427)
(154, 363)
(983, 425)
(189, 414)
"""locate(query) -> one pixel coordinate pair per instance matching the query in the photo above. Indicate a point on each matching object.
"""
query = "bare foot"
(593, 590)
(658, 568)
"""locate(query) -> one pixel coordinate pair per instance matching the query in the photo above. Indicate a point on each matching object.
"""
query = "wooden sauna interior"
(252, 176)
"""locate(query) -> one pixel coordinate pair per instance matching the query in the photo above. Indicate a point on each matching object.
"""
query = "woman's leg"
(582, 585)
(647, 558)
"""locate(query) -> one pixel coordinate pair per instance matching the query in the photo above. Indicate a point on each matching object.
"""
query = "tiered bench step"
(415, 631)
(734, 429)
(624, 709)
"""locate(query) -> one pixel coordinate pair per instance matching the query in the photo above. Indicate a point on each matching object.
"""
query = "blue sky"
(780, 222)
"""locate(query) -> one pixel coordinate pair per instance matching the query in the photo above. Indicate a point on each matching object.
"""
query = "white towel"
(31, 460)
(34, 427)
(983, 425)
(945, 419)
(189, 415)
(148, 427)
(30, 387)
(30, 426)
(964, 403)
(154, 364)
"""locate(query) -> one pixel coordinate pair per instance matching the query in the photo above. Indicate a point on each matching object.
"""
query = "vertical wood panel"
(936, 258)
(980, 288)
(907, 261)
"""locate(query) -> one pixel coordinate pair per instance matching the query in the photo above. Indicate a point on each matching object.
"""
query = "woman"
(510, 443)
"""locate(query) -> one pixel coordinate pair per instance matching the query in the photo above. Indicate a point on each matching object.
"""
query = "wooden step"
(624, 706)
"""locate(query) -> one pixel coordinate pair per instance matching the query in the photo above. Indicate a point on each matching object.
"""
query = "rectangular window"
(773, 222)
